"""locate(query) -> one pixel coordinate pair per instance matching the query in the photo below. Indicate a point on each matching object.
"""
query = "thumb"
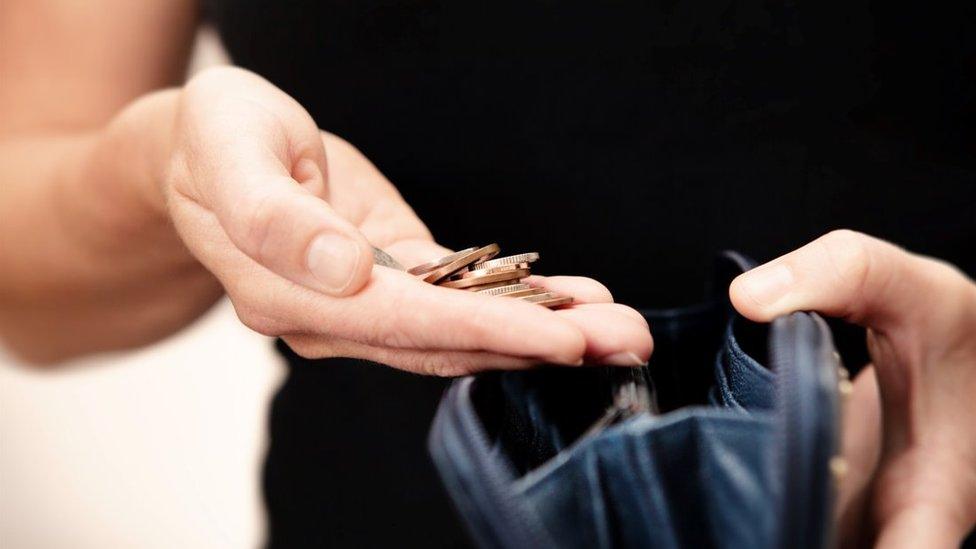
(256, 160)
(296, 235)
(843, 274)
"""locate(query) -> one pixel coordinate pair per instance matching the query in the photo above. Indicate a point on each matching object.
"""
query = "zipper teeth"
(795, 431)
(497, 473)
(791, 524)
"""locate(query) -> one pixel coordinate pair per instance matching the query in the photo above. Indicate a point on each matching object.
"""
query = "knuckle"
(310, 347)
(257, 221)
(425, 363)
(176, 177)
(845, 239)
(221, 75)
(395, 338)
(438, 364)
(850, 254)
(861, 267)
(257, 321)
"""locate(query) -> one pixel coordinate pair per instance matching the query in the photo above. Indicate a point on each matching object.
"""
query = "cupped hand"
(285, 216)
(909, 430)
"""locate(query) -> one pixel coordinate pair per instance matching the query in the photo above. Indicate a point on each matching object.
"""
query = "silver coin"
(382, 258)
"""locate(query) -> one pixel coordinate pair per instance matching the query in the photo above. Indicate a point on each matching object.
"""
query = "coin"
(506, 289)
(555, 301)
(538, 296)
(382, 258)
(489, 285)
(527, 292)
(507, 260)
(477, 270)
(468, 273)
(515, 274)
(431, 265)
(460, 261)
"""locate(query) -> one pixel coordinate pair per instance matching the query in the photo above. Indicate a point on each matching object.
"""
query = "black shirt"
(628, 141)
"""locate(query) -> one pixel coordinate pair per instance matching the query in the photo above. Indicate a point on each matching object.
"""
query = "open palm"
(285, 215)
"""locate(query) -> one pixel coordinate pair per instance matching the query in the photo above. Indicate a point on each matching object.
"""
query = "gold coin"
(557, 301)
(468, 273)
(527, 292)
(431, 265)
(507, 260)
(487, 286)
(538, 296)
(515, 274)
(503, 290)
(462, 260)
(549, 299)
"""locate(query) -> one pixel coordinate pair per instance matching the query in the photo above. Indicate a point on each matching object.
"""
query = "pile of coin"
(479, 270)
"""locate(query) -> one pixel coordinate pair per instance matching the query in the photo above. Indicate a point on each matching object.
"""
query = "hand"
(284, 216)
(919, 484)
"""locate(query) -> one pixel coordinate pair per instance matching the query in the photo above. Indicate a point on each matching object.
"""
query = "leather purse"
(743, 454)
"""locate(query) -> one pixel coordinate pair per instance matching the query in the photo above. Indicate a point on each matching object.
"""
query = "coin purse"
(741, 457)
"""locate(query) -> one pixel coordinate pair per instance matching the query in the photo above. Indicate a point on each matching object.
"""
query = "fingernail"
(623, 359)
(767, 284)
(332, 259)
(567, 361)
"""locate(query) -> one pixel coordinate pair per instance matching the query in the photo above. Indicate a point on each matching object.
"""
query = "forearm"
(90, 258)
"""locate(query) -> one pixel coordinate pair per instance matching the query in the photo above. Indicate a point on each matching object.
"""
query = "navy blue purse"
(742, 457)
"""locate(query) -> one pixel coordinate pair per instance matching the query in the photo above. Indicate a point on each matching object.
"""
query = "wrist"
(137, 145)
(112, 201)
(929, 486)
(920, 526)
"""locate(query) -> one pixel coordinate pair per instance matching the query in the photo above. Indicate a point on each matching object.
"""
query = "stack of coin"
(480, 270)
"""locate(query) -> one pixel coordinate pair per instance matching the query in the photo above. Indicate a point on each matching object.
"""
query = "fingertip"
(746, 292)
(611, 336)
(646, 352)
(536, 325)
(630, 313)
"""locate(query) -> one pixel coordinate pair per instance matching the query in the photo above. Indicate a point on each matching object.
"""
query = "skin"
(132, 205)
(908, 438)
(132, 201)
